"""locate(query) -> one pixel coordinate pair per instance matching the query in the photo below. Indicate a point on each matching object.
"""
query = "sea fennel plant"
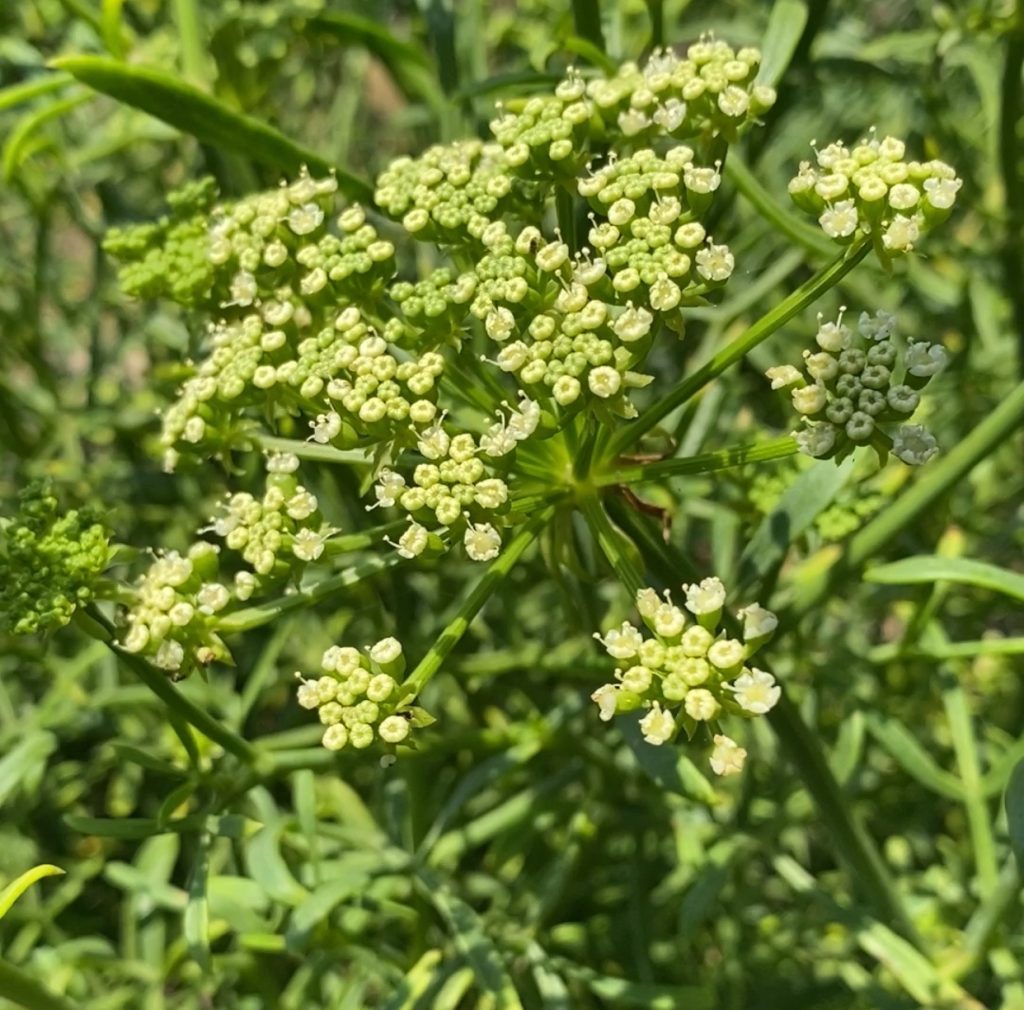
(485, 397)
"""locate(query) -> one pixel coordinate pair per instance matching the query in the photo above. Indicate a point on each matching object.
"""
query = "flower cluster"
(168, 258)
(871, 190)
(276, 534)
(51, 562)
(173, 616)
(689, 672)
(357, 696)
(709, 93)
(857, 385)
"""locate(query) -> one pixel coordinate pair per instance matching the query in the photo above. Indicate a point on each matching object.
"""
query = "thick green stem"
(1010, 153)
(313, 451)
(707, 462)
(25, 991)
(778, 217)
(471, 604)
(620, 551)
(805, 295)
(156, 680)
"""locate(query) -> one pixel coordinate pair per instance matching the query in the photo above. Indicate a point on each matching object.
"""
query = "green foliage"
(522, 852)
(52, 560)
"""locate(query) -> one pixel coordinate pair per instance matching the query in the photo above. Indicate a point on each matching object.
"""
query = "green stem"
(767, 206)
(848, 835)
(472, 603)
(978, 820)
(95, 624)
(23, 990)
(263, 613)
(620, 551)
(982, 926)
(805, 295)
(723, 459)
(190, 35)
(312, 450)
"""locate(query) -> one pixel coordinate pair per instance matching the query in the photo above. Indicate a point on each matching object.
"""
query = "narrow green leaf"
(913, 758)
(194, 112)
(267, 867)
(345, 883)
(408, 64)
(472, 942)
(25, 91)
(416, 982)
(24, 763)
(196, 920)
(590, 52)
(136, 755)
(17, 887)
(1015, 812)
(18, 145)
(668, 766)
(809, 495)
(929, 568)
(786, 25)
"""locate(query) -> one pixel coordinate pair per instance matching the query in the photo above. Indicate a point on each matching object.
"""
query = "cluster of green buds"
(174, 610)
(449, 192)
(51, 562)
(709, 93)
(859, 384)
(168, 258)
(358, 698)
(688, 672)
(870, 189)
(276, 535)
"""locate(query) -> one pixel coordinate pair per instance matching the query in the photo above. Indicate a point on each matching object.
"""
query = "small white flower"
(902, 233)
(700, 704)
(387, 650)
(634, 324)
(482, 542)
(701, 180)
(243, 288)
(647, 602)
(307, 545)
(434, 442)
(606, 697)
(393, 729)
(388, 488)
(604, 381)
(212, 597)
(941, 193)
(658, 725)
(924, 359)
(668, 621)
(413, 542)
(499, 324)
(782, 376)
(308, 694)
(727, 757)
(637, 679)
(914, 444)
(840, 220)
(757, 622)
(523, 422)
(809, 399)
(301, 505)
(623, 642)
(195, 429)
(715, 262)
(832, 337)
(756, 691)
(305, 219)
(245, 585)
(282, 462)
(325, 427)
(170, 655)
(817, 440)
(726, 653)
(381, 687)
(705, 597)
(879, 326)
